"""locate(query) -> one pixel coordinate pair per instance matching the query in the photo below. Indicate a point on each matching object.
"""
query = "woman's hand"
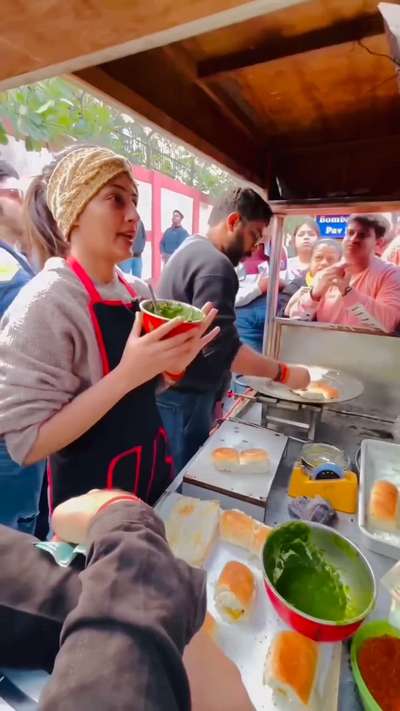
(71, 520)
(215, 681)
(156, 353)
(299, 378)
(323, 280)
(198, 339)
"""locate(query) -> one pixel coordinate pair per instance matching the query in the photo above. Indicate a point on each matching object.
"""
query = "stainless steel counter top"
(346, 432)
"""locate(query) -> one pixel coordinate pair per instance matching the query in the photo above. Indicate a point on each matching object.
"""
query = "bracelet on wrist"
(283, 373)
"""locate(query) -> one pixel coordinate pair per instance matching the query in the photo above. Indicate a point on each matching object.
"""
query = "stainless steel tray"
(247, 643)
(234, 434)
(379, 460)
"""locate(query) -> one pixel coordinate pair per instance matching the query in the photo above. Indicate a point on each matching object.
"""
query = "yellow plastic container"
(342, 494)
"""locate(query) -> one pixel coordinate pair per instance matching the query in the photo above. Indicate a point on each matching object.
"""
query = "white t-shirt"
(248, 284)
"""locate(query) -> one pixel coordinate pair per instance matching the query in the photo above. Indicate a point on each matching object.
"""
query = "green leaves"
(48, 105)
(55, 112)
(3, 135)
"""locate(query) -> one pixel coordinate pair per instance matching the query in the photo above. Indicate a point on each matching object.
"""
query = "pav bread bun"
(319, 389)
(383, 510)
(235, 592)
(192, 529)
(261, 533)
(226, 459)
(291, 667)
(237, 528)
(254, 461)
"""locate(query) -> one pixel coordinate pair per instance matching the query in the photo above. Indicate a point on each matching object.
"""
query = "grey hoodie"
(48, 351)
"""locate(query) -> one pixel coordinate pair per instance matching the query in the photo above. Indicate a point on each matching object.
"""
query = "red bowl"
(355, 572)
(152, 321)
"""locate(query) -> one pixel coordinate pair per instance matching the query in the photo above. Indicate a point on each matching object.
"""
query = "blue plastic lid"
(328, 467)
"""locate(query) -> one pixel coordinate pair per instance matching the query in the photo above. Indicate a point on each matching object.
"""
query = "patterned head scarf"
(77, 178)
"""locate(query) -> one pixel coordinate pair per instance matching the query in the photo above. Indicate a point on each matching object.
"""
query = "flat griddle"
(348, 387)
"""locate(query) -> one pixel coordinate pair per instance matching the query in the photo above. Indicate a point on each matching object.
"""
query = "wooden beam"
(43, 38)
(277, 47)
(182, 100)
(128, 100)
(227, 108)
(186, 65)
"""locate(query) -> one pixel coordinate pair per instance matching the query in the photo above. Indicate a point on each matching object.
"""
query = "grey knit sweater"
(48, 351)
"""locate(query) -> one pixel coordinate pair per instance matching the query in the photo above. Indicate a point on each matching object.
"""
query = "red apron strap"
(127, 285)
(85, 279)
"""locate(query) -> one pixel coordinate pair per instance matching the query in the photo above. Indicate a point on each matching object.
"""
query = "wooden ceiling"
(43, 37)
(298, 99)
(300, 95)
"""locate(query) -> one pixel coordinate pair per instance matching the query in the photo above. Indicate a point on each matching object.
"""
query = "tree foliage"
(55, 113)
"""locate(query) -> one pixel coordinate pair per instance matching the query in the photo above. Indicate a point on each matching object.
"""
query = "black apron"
(128, 448)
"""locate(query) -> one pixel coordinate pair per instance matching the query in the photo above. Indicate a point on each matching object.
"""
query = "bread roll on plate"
(192, 529)
(291, 667)
(237, 528)
(235, 592)
(319, 390)
(383, 510)
(254, 461)
(226, 459)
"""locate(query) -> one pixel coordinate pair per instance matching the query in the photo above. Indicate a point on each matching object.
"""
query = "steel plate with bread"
(238, 459)
(327, 386)
(379, 496)
(242, 622)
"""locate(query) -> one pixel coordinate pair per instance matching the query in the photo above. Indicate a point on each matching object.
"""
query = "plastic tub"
(377, 628)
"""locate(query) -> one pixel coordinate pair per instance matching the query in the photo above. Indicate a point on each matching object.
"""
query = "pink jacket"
(373, 302)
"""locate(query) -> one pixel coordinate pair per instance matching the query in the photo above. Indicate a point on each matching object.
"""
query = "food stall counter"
(346, 432)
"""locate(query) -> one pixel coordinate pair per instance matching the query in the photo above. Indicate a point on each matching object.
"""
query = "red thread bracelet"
(283, 373)
(121, 497)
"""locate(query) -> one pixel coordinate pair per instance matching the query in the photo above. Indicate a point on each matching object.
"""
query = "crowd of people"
(76, 374)
(352, 282)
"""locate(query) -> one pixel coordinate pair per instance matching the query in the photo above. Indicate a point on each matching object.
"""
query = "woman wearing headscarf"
(77, 378)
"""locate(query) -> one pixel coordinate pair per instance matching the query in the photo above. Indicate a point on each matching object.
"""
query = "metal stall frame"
(282, 209)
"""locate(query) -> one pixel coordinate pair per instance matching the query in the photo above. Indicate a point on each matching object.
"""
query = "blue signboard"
(332, 225)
